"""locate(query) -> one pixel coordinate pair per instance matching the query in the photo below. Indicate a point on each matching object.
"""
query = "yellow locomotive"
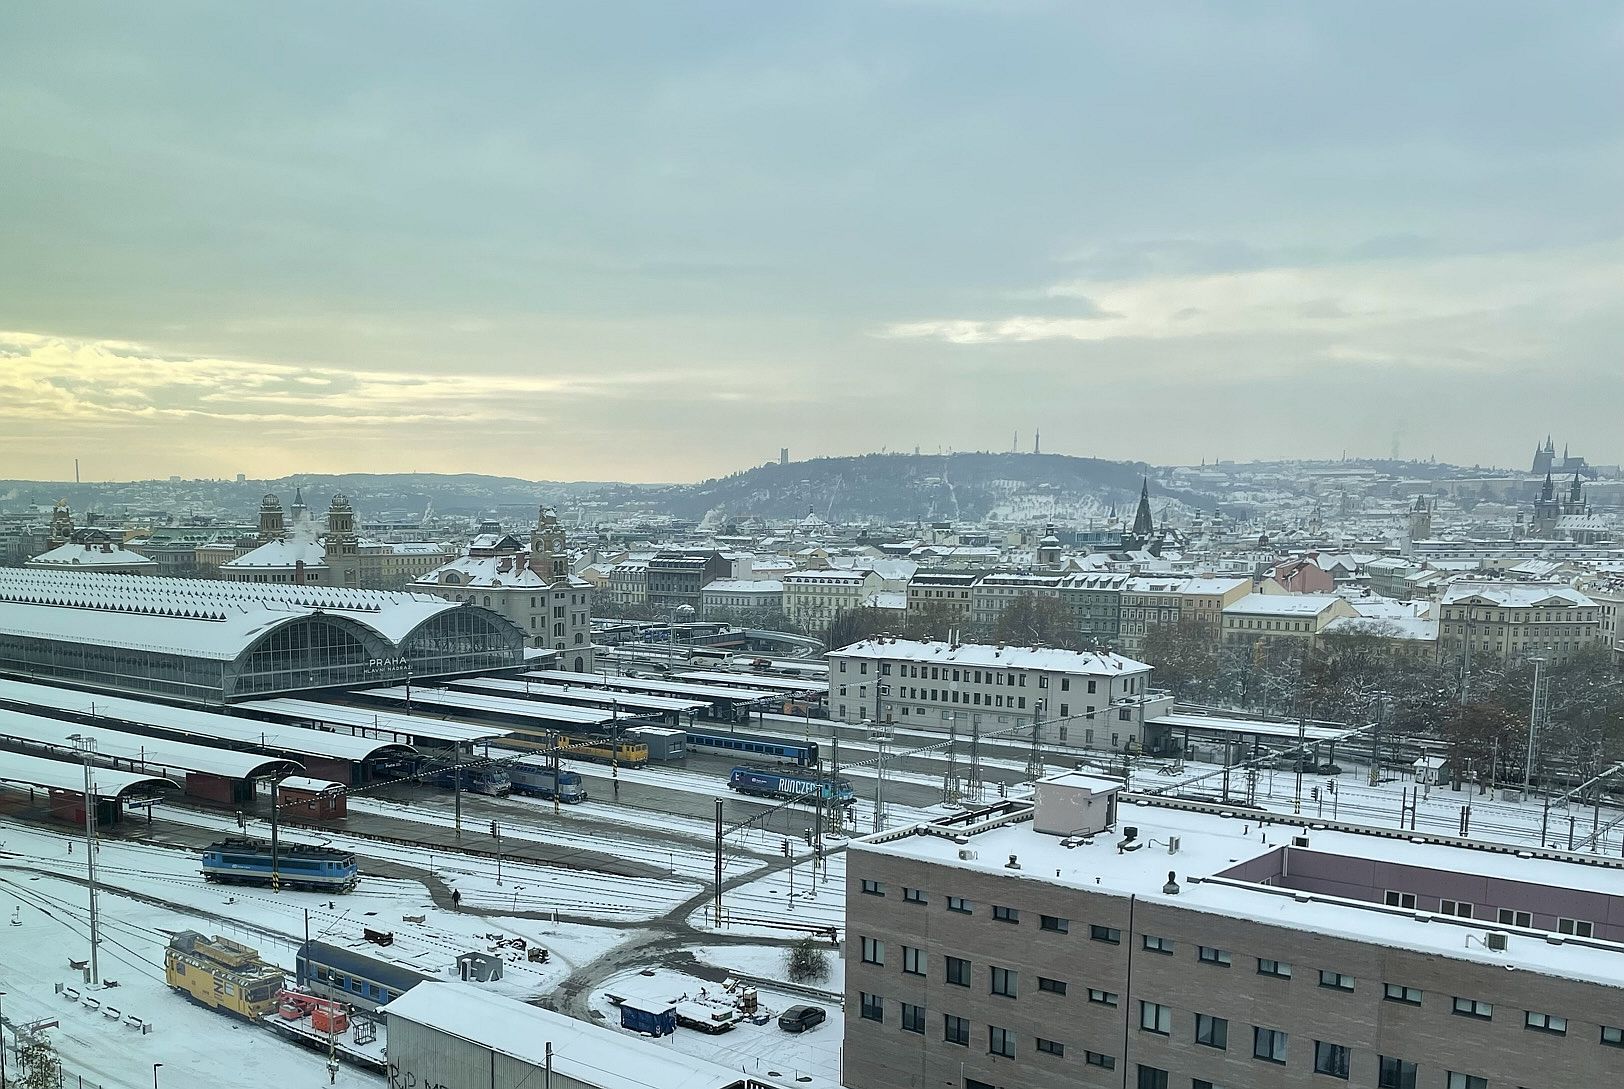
(602, 750)
(222, 974)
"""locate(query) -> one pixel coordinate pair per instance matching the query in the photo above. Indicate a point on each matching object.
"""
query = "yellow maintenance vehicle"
(222, 974)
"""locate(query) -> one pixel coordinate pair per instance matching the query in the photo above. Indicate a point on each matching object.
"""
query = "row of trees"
(1365, 676)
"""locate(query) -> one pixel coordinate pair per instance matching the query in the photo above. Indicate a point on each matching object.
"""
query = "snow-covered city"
(915, 544)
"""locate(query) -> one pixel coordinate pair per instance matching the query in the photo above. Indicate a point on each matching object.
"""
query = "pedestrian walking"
(456, 900)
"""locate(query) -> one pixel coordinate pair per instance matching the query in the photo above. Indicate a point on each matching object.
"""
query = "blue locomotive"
(544, 782)
(298, 865)
(768, 783)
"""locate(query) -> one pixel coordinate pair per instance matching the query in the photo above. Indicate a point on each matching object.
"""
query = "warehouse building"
(459, 1037)
(1089, 939)
(209, 643)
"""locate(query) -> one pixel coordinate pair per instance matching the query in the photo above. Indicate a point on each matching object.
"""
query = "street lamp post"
(86, 746)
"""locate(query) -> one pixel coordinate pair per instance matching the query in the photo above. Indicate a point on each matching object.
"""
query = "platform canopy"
(202, 726)
(108, 784)
(136, 749)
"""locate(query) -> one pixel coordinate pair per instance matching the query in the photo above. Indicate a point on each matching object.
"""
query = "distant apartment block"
(813, 599)
(1278, 618)
(741, 595)
(1513, 621)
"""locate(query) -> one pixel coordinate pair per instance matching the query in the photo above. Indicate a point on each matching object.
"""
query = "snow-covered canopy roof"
(107, 783)
(200, 618)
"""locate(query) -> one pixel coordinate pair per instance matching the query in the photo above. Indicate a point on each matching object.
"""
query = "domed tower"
(549, 547)
(272, 527)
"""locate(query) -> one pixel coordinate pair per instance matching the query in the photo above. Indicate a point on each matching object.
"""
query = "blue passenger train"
(298, 865)
(769, 783)
(793, 750)
(354, 977)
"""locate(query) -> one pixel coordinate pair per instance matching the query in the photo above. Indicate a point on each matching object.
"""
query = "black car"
(801, 1018)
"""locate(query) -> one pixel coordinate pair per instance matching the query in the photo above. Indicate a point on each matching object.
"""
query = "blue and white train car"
(800, 786)
(298, 865)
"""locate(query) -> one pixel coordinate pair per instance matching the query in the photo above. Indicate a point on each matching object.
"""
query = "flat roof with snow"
(989, 656)
(755, 680)
(1227, 725)
(583, 1053)
(1230, 861)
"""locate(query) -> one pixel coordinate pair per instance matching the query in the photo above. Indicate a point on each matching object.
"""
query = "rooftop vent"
(1172, 886)
(1013, 863)
(967, 855)
(1299, 841)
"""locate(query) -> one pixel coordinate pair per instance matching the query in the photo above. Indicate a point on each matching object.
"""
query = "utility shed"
(461, 1037)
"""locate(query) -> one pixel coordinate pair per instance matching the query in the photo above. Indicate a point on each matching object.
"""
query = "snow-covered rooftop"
(582, 1053)
(1514, 594)
(205, 725)
(984, 655)
(282, 554)
(1214, 843)
(1283, 605)
(93, 555)
(200, 618)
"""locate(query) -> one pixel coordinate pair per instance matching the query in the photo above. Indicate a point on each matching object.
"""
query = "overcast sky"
(658, 241)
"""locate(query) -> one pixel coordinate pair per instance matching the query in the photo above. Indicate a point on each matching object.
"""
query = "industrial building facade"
(1044, 946)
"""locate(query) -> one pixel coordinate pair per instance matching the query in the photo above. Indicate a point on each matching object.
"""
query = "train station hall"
(210, 643)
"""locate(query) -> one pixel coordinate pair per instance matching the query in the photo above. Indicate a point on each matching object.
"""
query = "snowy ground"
(1351, 797)
(148, 893)
(525, 887)
(188, 1040)
(808, 1058)
(765, 907)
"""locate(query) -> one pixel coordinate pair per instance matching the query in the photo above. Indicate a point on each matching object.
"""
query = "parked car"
(801, 1018)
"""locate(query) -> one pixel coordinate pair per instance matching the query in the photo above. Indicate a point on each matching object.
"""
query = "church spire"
(1143, 525)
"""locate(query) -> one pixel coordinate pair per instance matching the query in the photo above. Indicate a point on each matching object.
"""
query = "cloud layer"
(662, 241)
